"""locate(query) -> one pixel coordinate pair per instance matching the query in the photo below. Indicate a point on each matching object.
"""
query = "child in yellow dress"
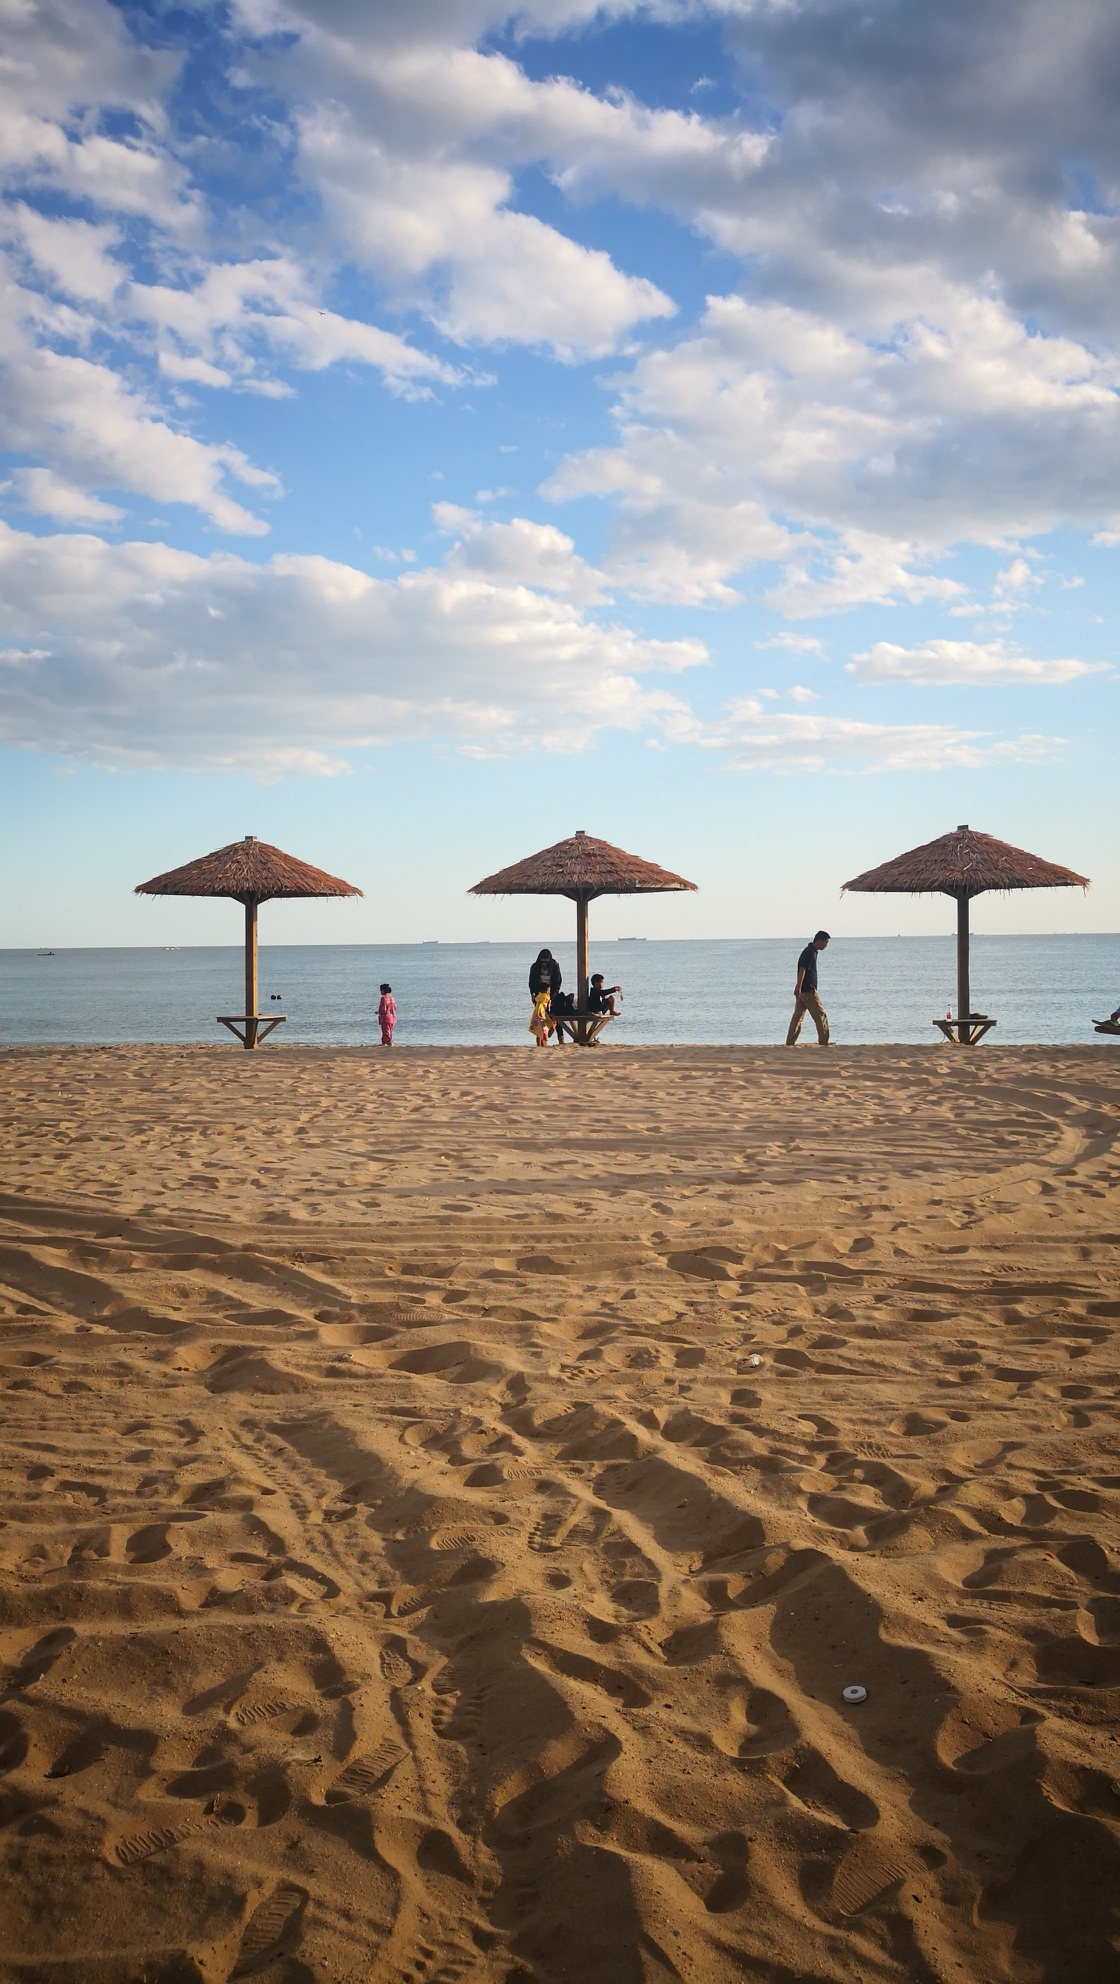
(541, 1024)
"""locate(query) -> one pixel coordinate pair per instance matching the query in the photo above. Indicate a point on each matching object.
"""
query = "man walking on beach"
(806, 998)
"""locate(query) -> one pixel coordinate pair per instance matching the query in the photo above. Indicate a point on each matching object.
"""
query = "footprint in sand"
(770, 1725)
(545, 1533)
(366, 1774)
(918, 1425)
(272, 1930)
(396, 1668)
(810, 1778)
(444, 1960)
(156, 1839)
(611, 1681)
(871, 1867)
(732, 1888)
(142, 1845)
(266, 1712)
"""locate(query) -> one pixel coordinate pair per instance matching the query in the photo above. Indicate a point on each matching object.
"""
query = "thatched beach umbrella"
(581, 868)
(964, 864)
(252, 872)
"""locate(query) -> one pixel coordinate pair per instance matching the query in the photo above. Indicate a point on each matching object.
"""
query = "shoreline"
(373, 1047)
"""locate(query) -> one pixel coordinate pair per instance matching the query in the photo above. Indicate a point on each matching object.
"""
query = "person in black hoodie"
(545, 975)
(543, 971)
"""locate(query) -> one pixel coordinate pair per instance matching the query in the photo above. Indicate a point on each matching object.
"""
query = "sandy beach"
(446, 1495)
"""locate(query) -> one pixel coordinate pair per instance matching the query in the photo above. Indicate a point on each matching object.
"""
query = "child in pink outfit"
(387, 1015)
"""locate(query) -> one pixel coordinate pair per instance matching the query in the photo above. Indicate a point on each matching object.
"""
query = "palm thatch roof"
(965, 863)
(248, 870)
(582, 868)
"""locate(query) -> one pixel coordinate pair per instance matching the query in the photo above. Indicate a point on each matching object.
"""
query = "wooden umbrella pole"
(251, 971)
(964, 996)
(581, 954)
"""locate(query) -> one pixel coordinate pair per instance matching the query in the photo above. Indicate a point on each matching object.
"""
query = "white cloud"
(144, 655)
(855, 568)
(960, 661)
(98, 431)
(799, 694)
(771, 433)
(793, 643)
(74, 254)
(434, 221)
(888, 152)
(912, 139)
(47, 495)
(758, 739)
(527, 282)
(77, 330)
(926, 354)
(212, 329)
(413, 137)
(518, 553)
(1015, 584)
(90, 424)
(66, 63)
(119, 178)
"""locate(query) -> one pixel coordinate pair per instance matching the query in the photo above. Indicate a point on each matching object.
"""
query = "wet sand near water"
(445, 1494)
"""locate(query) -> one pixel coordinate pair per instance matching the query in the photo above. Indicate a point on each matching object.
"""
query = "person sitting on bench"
(599, 997)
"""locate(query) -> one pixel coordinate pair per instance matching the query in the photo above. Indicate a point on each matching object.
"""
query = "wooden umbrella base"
(257, 1028)
(965, 1033)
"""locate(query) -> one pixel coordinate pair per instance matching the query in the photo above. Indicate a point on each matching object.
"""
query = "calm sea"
(1045, 989)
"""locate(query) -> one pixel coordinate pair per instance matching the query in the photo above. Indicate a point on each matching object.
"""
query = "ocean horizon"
(715, 991)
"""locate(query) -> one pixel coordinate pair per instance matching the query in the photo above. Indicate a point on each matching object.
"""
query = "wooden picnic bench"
(582, 1029)
(257, 1026)
(966, 1032)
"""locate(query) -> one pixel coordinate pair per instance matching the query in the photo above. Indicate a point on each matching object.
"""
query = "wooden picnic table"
(257, 1026)
(966, 1032)
(583, 1029)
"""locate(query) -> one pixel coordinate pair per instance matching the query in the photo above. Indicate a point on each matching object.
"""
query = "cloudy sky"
(430, 429)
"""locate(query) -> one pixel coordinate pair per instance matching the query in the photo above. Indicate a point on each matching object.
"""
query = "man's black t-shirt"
(807, 963)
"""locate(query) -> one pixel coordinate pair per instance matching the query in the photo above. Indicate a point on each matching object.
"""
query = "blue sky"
(430, 429)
